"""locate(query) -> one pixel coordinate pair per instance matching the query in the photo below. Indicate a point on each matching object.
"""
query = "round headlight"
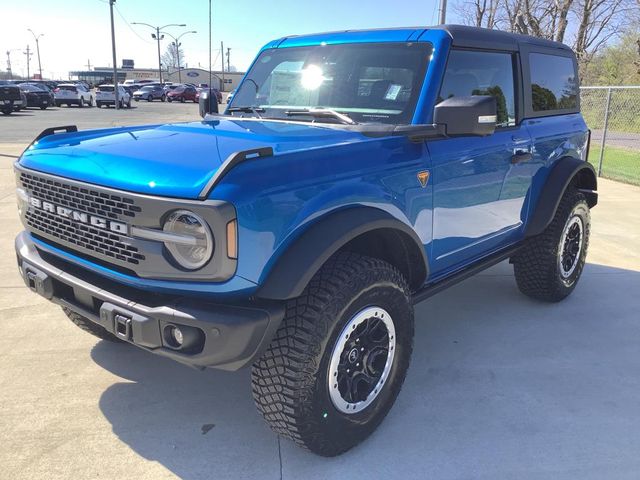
(193, 244)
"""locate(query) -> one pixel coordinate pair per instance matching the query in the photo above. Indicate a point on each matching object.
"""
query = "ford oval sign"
(193, 74)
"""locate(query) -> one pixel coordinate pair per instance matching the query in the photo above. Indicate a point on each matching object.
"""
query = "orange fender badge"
(423, 178)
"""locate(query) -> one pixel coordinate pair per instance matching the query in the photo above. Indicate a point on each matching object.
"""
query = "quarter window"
(554, 83)
(482, 73)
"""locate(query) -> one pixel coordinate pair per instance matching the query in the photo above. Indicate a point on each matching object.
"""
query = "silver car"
(150, 93)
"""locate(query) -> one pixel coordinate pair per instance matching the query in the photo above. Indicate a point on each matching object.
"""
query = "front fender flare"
(296, 266)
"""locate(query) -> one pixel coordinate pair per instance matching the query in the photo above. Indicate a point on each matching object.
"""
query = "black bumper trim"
(233, 334)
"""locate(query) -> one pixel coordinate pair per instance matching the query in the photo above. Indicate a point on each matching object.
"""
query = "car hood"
(175, 160)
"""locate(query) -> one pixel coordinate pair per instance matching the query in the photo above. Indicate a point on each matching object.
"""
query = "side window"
(482, 73)
(554, 83)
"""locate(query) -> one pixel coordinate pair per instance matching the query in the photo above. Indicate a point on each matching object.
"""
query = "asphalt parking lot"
(500, 387)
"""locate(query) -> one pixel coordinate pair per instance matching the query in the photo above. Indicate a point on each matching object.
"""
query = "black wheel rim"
(361, 360)
(570, 246)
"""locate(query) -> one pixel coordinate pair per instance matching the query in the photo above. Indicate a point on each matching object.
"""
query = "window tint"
(554, 84)
(482, 73)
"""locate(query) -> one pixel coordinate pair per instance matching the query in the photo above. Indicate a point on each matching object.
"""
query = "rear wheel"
(336, 364)
(549, 265)
(163, 98)
(91, 101)
(90, 327)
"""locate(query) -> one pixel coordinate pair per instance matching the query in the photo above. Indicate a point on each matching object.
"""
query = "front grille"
(85, 236)
(79, 198)
(87, 200)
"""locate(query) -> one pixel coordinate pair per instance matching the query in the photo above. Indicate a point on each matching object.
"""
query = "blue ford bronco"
(353, 175)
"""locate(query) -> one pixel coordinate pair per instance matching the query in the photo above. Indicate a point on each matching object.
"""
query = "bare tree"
(172, 57)
(599, 21)
(587, 24)
(480, 13)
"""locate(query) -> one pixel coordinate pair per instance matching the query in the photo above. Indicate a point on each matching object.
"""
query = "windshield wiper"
(322, 113)
(255, 110)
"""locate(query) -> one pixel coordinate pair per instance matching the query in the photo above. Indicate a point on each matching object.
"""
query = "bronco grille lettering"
(77, 216)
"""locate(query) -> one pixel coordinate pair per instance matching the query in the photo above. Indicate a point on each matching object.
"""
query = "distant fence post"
(604, 132)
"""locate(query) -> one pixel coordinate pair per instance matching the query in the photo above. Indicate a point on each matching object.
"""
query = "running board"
(433, 288)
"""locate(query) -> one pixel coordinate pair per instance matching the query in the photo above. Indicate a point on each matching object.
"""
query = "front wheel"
(549, 265)
(163, 98)
(91, 327)
(336, 364)
(81, 102)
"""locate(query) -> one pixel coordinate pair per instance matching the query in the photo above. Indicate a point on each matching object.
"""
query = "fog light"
(184, 338)
(176, 336)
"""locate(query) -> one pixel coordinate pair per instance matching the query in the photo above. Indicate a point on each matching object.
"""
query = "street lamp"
(176, 43)
(37, 37)
(158, 37)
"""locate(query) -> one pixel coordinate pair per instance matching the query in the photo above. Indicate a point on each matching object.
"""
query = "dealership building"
(223, 81)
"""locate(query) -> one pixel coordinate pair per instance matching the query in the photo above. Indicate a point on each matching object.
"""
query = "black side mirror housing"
(474, 115)
(208, 103)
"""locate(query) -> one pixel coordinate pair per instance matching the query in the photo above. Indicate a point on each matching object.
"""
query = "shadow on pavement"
(500, 387)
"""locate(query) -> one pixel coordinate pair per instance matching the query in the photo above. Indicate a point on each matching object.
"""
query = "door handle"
(520, 156)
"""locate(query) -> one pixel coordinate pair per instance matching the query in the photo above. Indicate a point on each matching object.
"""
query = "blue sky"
(76, 31)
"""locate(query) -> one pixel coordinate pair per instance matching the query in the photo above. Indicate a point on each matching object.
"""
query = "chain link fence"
(613, 115)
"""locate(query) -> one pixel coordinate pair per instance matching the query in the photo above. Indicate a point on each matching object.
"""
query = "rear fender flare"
(566, 171)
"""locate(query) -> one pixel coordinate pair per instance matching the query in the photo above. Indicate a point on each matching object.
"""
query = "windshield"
(105, 89)
(366, 82)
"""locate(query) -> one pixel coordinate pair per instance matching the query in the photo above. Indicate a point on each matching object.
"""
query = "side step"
(433, 288)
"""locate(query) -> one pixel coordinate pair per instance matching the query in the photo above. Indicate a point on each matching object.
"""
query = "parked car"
(150, 93)
(11, 98)
(215, 92)
(38, 95)
(72, 94)
(295, 232)
(168, 88)
(105, 95)
(230, 96)
(182, 93)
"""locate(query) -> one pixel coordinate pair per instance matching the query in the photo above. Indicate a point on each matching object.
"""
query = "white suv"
(72, 94)
(105, 95)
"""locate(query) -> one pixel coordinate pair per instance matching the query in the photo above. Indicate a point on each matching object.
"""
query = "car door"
(480, 183)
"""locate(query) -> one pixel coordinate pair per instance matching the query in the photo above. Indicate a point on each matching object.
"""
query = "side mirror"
(473, 115)
(208, 103)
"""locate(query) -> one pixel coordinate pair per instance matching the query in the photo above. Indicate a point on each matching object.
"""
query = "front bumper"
(229, 336)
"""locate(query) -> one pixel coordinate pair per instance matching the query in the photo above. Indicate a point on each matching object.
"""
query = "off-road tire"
(536, 265)
(90, 327)
(290, 381)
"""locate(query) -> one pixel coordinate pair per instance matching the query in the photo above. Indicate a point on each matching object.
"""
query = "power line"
(130, 27)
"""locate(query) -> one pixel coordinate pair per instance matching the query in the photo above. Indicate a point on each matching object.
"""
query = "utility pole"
(221, 56)
(9, 71)
(115, 62)
(228, 59)
(442, 10)
(28, 53)
(37, 38)
(88, 64)
(209, 106)
(156, 36)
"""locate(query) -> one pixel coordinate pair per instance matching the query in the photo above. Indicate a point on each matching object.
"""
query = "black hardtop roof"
(476, 37)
